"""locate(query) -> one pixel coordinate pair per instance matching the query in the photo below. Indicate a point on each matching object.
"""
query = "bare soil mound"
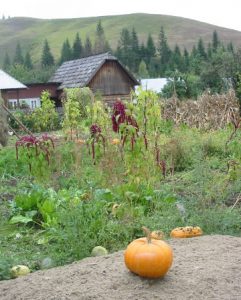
(207, 267)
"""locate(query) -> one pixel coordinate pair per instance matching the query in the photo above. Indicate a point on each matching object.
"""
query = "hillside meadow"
(105, 174)
(31, 33)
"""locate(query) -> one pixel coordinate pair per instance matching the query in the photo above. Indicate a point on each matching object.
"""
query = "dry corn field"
(207, 112)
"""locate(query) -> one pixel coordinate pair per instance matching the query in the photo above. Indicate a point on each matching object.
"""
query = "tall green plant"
(45, 117)
(76, 104)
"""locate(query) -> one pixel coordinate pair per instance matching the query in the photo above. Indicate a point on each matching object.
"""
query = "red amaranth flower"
(94, 130)
(41, 144)
(96, 135)
(119, 115)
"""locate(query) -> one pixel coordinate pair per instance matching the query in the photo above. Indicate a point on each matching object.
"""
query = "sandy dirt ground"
(207, 267)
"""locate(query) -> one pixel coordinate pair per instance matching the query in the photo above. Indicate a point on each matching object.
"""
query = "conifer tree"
(150, 49)
(201, 49)
(164, 52)
(135, 52)
(230, 47)
(124, 47)
(215, 41)
(66, 53)
(101, 44)
(18, 57)
(176, 59)
(88, 51)
(186, 60)
(28, 61)
(47, 59)
(142, 70)
(77, 49)
(6, 62)
(209, 51)
(143, 53)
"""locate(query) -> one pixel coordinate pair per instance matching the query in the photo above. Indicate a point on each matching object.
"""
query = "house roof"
(79, 72)
(7, 82)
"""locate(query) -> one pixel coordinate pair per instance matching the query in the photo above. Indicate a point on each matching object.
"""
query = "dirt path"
(207, 267)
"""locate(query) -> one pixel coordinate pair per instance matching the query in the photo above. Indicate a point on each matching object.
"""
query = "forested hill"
(31, 33)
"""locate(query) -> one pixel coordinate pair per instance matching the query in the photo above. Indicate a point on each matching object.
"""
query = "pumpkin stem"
(147, 233)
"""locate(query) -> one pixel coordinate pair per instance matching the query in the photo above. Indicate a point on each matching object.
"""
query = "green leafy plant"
(5, 269)
(45, 118)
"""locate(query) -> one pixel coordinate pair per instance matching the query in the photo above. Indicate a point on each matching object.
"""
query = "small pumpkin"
(80, 142)
(19, 270)
(148, 257)
(115, 142)
(186, 232)
(157, 235)
(99, 251)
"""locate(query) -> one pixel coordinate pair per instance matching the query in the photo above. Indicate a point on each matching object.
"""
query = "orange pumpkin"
(115, 142)
(157, 235)
(148, 257)
(186, 232)
(80, 142)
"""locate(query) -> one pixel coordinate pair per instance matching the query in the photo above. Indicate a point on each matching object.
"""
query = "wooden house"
(16, 95)
(102, 73)
(31, 95)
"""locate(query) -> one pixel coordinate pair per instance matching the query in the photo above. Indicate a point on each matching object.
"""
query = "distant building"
(153, 84)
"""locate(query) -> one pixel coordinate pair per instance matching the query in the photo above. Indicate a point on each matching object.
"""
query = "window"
(33, 104)
(12, 104)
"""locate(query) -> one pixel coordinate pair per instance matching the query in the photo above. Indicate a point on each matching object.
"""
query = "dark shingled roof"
(79, 72)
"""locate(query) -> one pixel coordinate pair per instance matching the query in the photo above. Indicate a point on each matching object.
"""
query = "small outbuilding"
(102, 73)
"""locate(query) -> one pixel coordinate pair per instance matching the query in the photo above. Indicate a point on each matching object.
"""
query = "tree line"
(214, 66)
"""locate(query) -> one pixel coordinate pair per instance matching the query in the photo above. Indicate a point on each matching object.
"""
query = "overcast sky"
(218, 12)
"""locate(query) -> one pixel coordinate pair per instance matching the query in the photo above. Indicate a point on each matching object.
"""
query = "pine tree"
(209, 51)
(47, 59)
(28, 61)
(100, 41)
(194, 51)
(88, 47)
(150, 49)
(124, 47)
(77, 49)
(215, 41)
(230, 47)
(186, 61)
(6, 62)
(176, 59)
(143, 52)
(18, 57)
(66, 53)
(201, 49)
(164, 52)
(135, 51)
(154, 67)
(142, 70)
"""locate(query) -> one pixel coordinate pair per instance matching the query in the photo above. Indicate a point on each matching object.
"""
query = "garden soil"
(207, 267)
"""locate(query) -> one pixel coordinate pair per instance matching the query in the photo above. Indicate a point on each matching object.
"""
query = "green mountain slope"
(32, 32)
